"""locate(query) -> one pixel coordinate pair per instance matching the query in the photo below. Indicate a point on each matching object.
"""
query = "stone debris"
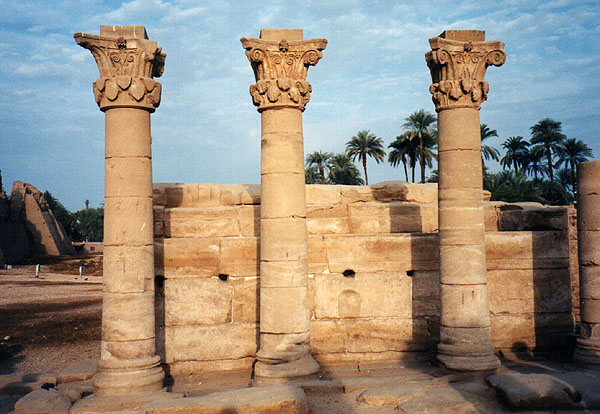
(534, 391)
(78, 371)
(262, 400)
(43, 402)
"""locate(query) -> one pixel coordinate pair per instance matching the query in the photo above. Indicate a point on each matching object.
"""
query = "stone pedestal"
(127, 93)
(280, 59)
(587, 352)
(458, 61)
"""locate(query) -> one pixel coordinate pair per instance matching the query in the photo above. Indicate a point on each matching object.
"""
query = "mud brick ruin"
(286, 278)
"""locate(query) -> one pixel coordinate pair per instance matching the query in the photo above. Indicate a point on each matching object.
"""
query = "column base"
(128, 377)
(587, 353)
(123, 404)
(469, 363)
(297, 368)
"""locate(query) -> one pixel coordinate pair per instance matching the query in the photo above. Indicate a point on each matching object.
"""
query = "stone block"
(328, 225)
(78, 371)
(193, 195)
(490, 216)
(363, 295)
(159, 220)
(202, 222)
(323, 195)
(384, 253)
(249, 220)
(208, 343)
(239, 194)
(327, 336)
(532, 219)
(389, 334)
(401, 191)
(425, 294)
(317, 254)
(125, 316)
(220, 365)
(43, 402)
(527, 245)
(198, 301)
(188, 257)
(239, 256)
(273, 399)
(528, 330)
(159, 195)
(246, 300)
(356, 193)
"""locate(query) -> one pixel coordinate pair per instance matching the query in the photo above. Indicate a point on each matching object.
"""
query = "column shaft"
(127, 93)
(280, 59)
(588, 226)
(458, 61)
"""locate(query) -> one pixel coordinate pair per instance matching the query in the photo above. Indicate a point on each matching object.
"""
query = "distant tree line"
(542, 169)
(84, 225)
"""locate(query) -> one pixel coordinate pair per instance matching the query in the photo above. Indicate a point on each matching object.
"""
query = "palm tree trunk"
(322, 172)
(405, 170)
(549, 158)
(421, 153)
(573, 180)
(413, 173)
(364, 163)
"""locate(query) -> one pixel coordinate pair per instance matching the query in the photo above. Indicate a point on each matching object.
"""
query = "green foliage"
(488, 152)
(320, 161)
(513, 188)
(62, 215)
(365, 144)
(83, 225)
(343, 171)
(422, 127)
(90, 224)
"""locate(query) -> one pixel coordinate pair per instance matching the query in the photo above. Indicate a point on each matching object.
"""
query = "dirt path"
(47, 323)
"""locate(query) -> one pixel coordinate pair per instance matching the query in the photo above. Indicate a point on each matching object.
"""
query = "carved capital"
(127, 66)
(280, 69)
(458, 67)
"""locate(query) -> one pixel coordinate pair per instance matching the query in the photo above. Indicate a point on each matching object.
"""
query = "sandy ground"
(46, 323)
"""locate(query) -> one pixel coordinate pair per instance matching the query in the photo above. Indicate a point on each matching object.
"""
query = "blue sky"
(372, 76)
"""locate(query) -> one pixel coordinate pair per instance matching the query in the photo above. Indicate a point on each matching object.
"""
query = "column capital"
(458, 61)
(280, 68)
(128, 61)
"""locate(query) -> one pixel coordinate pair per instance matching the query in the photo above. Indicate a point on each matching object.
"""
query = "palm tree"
(343, 171)
(363, 145)
(547, 134)
(320, 160)
(488, 152)
(571, 152)
(311, 175)
(516, 153)
(533, 161)
(404, 150)
(422, 125)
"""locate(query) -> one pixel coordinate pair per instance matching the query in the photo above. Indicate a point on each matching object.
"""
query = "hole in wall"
(348, 273)
(223, 277)
(159, 281)
(410, 273)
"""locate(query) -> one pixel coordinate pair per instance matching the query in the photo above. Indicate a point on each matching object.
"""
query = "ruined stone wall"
(373, 273)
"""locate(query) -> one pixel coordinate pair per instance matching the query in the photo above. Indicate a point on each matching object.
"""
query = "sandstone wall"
(373, 273)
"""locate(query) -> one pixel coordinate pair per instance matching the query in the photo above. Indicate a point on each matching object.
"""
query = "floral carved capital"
(280, 70)
(127, 67)
(458, 69)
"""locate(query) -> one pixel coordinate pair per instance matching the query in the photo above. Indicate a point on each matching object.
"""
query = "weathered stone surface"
(239, 256)
(246, 300)
(176, 257)
(528, 330)
(78, 371)
(390, 334)
(198, 301)
(515, 218)
(363, 295)
(20, 387)
(219, 221)
(43, 402)
(534, 391)
(205, 343)
(273, 399)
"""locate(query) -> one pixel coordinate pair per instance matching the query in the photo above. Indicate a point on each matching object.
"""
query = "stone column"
(458, 62)
(280, 60)
(127, 93)
(588, 234)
